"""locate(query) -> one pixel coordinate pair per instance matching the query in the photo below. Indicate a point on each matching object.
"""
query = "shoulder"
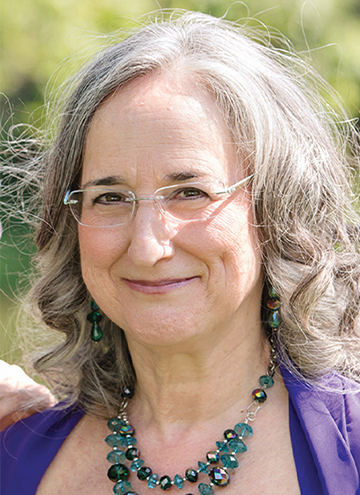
(43, 433)
(328, 413)
(333, 394)
(47, 425)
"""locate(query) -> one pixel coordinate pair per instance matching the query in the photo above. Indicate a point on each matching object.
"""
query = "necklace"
(216, 466)
(217, 462)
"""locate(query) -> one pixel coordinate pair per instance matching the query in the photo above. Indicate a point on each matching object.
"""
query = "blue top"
(324, 429)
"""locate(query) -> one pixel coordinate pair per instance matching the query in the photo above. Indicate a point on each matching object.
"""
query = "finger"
(20, 396)
(7, 421)
(13, 375)
(9, 403)
(15, 406)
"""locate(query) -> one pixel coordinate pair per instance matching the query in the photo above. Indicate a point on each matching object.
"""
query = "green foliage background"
(37, 35)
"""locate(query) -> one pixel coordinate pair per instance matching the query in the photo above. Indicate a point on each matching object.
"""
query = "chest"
(268, 467)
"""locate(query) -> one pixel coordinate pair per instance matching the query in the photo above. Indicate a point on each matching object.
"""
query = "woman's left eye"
(189, 193)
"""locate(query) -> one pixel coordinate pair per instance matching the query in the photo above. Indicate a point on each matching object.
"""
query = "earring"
(95, 317)
(274, 304)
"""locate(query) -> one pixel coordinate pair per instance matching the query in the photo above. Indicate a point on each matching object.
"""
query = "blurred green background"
(37, 35)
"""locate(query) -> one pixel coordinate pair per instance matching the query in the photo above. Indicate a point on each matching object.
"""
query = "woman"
(194, 187)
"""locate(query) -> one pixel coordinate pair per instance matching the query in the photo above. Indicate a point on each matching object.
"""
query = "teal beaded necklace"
(218, 461)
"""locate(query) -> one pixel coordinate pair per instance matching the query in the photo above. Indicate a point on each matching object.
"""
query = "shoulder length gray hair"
(297, 152)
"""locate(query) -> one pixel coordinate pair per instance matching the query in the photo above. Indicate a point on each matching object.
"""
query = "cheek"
(99, 250)
(90, 245)
(234, 240)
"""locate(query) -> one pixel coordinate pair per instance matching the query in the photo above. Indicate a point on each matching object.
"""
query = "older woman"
(194, 187)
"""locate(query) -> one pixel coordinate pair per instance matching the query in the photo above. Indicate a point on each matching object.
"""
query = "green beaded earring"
(95, 317)
(274, 304)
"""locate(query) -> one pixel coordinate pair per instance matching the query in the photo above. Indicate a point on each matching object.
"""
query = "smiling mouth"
(157, 286)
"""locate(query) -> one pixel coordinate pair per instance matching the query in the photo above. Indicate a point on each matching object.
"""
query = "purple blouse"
(324, 429)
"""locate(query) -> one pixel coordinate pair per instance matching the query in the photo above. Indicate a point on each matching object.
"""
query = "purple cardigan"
(324, 429)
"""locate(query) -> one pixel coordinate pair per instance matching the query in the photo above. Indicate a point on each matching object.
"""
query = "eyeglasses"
(114, 206)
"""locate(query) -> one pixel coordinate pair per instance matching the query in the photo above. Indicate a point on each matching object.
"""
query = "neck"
(197, 383)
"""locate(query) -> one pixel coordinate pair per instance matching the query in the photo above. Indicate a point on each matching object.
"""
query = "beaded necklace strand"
(218, 461)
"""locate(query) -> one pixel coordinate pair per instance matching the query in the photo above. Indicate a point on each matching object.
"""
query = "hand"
(16, 390)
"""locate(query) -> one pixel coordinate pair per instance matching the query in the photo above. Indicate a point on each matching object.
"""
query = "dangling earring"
(274, 304)
(95, 317)
(274, 321)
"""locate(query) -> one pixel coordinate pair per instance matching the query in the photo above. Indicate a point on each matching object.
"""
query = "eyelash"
(100, 199)
(184, 190)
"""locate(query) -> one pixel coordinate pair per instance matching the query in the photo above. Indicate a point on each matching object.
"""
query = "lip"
(158, 286)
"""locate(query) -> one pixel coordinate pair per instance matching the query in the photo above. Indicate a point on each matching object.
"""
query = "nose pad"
(149, 204)
(160, 209)
(168, 220)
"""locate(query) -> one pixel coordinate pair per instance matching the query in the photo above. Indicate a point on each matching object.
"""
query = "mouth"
(158, 286)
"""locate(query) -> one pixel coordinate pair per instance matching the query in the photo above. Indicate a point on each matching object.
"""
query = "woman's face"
(165, 281)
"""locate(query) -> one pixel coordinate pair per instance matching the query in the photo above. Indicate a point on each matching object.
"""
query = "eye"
(111, 197)
(189, 193)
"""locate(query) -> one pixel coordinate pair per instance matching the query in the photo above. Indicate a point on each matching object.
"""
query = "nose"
(151, 235)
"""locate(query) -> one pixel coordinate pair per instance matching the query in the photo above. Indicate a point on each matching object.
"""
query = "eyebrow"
(182, 176)
(112, 180)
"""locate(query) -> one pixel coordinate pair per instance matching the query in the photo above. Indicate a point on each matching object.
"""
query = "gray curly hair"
(298, 151)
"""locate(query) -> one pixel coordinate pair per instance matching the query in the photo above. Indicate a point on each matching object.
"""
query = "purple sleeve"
(28, 447)
(325, 435)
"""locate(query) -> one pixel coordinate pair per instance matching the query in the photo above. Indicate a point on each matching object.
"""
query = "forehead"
(157, 125)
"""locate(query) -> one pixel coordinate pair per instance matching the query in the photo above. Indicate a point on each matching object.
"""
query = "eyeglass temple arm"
(236, 186)
(68, 201)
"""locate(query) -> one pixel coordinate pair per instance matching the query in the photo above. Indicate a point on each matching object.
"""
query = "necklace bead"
(219, 476)
(230, 434)
(126, 430)
(222, 446)
(118, 472)
(205, 489)
(165, 482)
(212, 457)
(178, 481)
(259, 395)
(243, 430)
(191, 475)
(128, 441)
(115, 441)
(229, 461)
(116, 456)
(152, 480)
(144, 472)
(237, 446)
(121, 487)
(132, 453)
(203, 468)
(266, 381)
(136, 465)
(115, 423)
